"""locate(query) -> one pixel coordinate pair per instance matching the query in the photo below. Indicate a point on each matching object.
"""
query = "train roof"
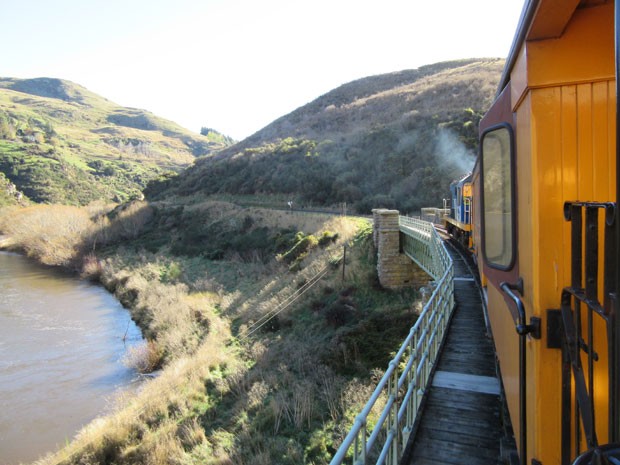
(462, 179)
(541, 19)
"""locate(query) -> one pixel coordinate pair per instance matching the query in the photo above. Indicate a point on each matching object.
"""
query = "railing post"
(363, 457)
(359, 447)
(394, 454)
(414, 378)
(425, 370)
(438, 325)
(412, 406)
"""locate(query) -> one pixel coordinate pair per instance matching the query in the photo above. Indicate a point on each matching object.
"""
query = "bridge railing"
(382, 439)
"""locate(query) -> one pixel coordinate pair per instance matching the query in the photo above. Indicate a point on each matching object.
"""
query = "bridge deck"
(460, 421)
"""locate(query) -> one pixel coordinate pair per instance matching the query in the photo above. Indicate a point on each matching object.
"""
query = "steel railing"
(420, 242)
(408, 374)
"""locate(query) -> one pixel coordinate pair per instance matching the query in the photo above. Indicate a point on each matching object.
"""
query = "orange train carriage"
(545, 231)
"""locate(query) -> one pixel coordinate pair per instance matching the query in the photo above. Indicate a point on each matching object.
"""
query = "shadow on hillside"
(299, 396)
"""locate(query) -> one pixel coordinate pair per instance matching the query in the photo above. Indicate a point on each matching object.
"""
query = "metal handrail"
(408, 374)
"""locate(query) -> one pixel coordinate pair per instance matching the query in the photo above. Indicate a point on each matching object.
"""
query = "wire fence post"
(344, 261)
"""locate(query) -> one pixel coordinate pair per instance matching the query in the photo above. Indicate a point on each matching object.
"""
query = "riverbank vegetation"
(266, 347)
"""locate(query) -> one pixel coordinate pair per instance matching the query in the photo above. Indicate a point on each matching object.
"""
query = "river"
(62, 341)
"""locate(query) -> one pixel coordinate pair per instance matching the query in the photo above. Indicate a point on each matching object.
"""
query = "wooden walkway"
(461, 421)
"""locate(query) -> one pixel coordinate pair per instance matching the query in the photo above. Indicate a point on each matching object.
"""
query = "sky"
(237, 65)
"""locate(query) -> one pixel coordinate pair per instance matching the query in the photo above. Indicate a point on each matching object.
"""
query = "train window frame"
(503, 265)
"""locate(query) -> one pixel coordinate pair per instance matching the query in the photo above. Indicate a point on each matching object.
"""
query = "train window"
(498, 198)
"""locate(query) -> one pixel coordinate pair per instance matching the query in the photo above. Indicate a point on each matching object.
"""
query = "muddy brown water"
(61, 351)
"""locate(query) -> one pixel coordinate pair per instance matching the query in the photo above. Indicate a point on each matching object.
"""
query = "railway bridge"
(439, 401)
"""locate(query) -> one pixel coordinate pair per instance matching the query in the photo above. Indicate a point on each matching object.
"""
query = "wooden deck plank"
(467, 382)
(459, 403)
(465, 439)
(450, 452)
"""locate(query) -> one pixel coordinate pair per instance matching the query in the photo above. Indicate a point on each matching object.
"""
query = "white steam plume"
(453, 153)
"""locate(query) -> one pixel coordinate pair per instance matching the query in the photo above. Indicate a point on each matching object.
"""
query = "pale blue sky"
(236, 65)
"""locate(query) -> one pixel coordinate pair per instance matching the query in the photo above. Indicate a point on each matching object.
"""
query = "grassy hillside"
(393, 140)
(60, 143)
(267, 349)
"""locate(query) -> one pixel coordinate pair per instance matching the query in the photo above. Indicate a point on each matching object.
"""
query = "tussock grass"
(53, 235)
(62, 235)
(144, 358)
(161, 423)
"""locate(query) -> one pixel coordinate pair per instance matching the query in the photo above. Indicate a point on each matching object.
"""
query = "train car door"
(500, 259)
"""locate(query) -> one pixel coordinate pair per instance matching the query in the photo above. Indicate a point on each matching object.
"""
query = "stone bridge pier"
(394, 268)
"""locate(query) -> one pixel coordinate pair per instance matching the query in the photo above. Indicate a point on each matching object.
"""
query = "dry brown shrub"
(144, 358)
(92, 268)
(301, 408)
(164, 448)
(354, 397)
(190, 433)
(130, 220)
(172, 318)
(330, 387)
(257, 394)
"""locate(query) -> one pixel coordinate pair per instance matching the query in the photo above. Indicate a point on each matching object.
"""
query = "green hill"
(60, 143)
(393, 140)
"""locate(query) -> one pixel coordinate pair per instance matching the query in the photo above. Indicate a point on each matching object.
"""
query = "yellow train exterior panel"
(560, 159)
(582, 54)
(564, 103)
